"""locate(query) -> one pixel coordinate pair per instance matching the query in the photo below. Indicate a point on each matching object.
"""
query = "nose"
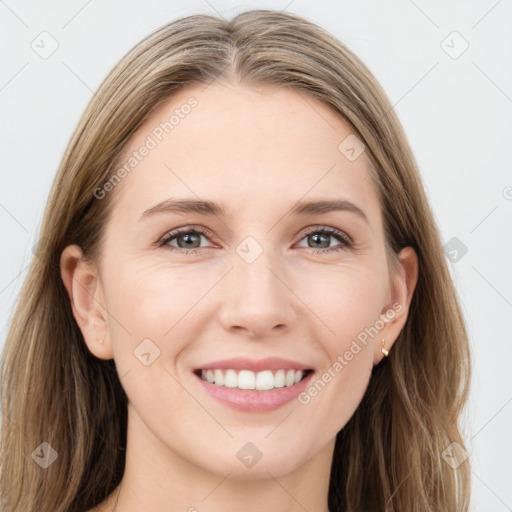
(257, 300)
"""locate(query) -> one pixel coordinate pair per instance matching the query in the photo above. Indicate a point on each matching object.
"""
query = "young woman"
(240, 299)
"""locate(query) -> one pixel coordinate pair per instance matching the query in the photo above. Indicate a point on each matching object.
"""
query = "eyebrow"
(206, 207)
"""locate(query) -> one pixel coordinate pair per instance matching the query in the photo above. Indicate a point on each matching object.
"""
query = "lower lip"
(252, 400)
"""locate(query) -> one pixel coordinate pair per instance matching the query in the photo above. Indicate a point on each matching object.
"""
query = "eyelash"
(345, 240)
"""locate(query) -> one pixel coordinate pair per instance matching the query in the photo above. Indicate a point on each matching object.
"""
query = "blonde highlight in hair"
(389, 455)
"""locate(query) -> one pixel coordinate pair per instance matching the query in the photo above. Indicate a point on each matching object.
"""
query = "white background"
(456, 112)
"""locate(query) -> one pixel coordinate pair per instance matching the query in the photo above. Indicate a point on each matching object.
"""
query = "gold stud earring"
(384, 351)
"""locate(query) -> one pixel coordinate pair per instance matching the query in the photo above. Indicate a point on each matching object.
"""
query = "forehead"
(243, 145)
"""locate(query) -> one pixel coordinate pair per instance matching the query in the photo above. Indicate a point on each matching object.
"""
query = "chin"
(256, 460)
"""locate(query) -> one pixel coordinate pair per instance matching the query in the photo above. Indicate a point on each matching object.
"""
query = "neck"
(159, 479)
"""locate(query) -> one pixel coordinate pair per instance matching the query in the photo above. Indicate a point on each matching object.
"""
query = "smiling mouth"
(264, 380)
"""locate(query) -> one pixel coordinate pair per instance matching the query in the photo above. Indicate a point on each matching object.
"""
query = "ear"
(85, 293)
(394, 314)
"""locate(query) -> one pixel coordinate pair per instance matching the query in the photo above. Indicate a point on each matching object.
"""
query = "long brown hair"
(389, 456)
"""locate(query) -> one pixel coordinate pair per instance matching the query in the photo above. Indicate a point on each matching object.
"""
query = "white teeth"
(231, 379)
(290, 378)
(279, 379)
(219, 377)
(265, 380)
(246, 379)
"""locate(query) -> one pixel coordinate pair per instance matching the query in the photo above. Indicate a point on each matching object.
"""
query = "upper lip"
(241, 363)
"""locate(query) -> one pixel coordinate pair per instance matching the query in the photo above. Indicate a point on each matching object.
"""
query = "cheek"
(150, 300)
(154, 322)
(337, 391)
(352, 312)
(349, 302)
(171, 307)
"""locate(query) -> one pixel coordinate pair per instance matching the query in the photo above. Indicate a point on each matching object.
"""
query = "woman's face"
(259, 280)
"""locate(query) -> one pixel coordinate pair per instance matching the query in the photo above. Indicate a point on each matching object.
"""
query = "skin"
(258, 151)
